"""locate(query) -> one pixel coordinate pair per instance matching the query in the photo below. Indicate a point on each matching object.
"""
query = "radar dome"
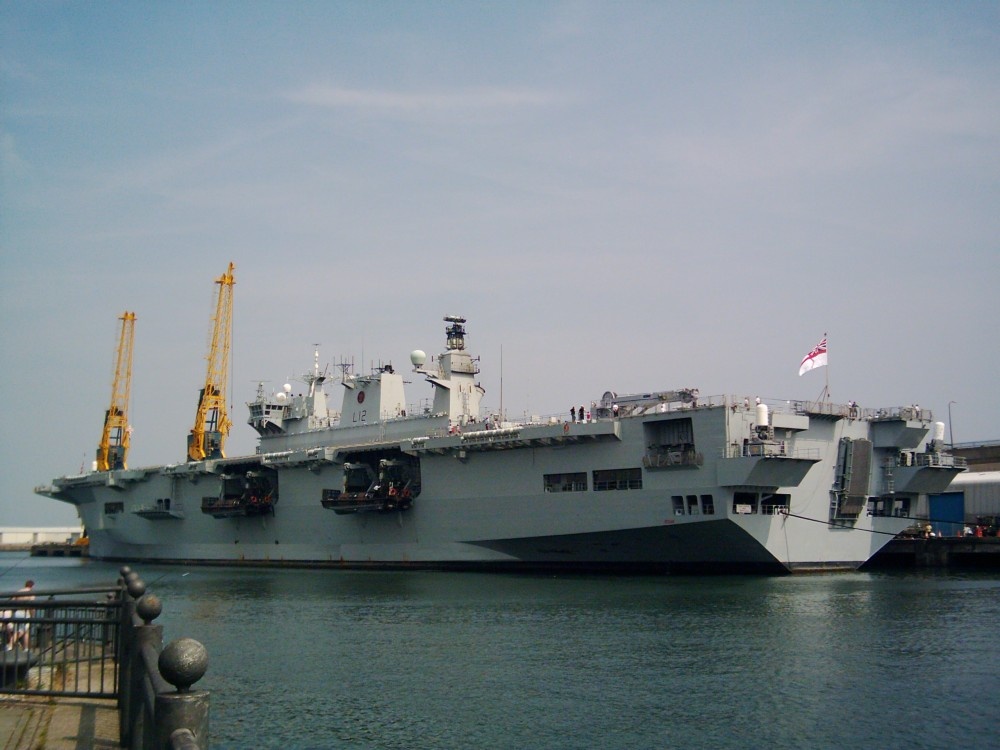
(288, 387)
(281, 397)
(939, 431)
(418, 358)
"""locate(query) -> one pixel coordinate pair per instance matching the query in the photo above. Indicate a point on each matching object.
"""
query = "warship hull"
(690, 486)
(657, 481)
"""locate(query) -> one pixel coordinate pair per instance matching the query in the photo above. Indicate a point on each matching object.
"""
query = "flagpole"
(818, 357)
(827, 373)
(824, 396)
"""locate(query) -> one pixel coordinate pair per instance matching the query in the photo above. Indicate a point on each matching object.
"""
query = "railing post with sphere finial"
(148, 644)
(125, 649)
(157, 708)
(182, 716)
(134, 588)
(132, 715)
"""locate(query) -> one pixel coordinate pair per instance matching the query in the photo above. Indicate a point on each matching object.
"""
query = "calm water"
(334, 659)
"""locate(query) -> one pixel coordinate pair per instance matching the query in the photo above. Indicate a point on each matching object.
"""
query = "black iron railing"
(61, 642)
(100, 642)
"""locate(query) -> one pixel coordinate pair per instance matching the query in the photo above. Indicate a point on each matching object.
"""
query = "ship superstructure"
(657, 481)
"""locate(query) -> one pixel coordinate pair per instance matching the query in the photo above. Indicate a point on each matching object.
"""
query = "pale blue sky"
(619, 196)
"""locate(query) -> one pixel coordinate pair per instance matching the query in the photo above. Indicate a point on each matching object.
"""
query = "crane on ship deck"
(112, 453)
(211, 424)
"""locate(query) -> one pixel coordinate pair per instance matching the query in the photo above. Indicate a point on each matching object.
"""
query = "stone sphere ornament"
(149, 607)
(183, 662)
(136, 587)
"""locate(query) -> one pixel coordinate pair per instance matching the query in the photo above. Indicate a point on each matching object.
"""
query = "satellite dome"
(281, 397)
(418, 358)
(288, 387)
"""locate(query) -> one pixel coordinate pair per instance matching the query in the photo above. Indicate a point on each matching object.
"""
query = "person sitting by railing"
(19, 633)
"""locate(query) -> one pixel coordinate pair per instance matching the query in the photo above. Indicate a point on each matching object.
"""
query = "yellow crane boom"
(112, 453)
(211, 424)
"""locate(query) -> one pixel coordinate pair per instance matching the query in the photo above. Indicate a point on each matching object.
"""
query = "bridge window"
(901, 507)
(744, 502)
(774, 504)
(567, 482)
(707, 505)
(678, 502)
(617, 479)
(111, 509)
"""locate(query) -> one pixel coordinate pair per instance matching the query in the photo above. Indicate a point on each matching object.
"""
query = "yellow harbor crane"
(211, 424)
(112, 453)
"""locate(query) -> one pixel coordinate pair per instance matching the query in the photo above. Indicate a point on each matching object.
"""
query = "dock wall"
(23, 537)
(938, 552)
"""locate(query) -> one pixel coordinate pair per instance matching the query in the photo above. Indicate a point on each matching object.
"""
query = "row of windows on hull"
(683, 505)
(631, 479)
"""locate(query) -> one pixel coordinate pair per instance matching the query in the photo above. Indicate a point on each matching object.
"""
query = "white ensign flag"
(815, 358)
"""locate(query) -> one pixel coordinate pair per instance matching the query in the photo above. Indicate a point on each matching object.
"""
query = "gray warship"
(663, 481)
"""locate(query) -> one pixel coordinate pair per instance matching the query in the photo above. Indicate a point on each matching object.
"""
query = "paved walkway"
(40, 723)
